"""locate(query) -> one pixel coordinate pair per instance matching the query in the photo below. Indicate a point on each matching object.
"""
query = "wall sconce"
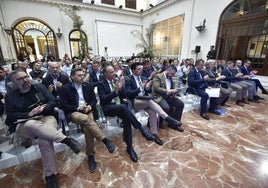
(121, 6)
(201, 28)
(8, 30)
(59, 34)
(151, 5)
(92, 2)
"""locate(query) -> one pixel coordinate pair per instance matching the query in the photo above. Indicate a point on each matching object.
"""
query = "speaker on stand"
(197, 50)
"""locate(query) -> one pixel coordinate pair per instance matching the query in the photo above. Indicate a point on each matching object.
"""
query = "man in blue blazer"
(111, 93)
(78, 101)
(197, 81)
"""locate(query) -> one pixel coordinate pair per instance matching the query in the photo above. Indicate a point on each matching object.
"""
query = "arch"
(78, 43)
(243, 33)
(34, 39)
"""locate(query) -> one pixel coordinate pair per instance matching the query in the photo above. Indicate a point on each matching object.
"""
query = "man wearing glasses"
(29, 111)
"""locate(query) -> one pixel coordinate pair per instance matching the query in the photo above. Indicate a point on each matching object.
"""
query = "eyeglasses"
(23, 78)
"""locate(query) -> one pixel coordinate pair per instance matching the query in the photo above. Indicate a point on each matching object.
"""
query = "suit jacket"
(94, 79)
(159, 87)
(106, 95)
(69, 97)
(132, 90)
(245, 70)
(126, 71)
(194, 80)
(230, 75)
(15, 104)
(212, 78)
(64, 79)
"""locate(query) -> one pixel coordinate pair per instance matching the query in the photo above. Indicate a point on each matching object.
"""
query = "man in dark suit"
(246, 70)
(127, 70)
(233, 78)
(35, 103)
(164, 88)
(197, 81)
(96, 74)
(78, 101)
(111, 94)
(137, 87)
(55, 79)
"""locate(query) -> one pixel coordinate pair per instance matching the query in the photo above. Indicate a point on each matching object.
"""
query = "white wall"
(195, 11)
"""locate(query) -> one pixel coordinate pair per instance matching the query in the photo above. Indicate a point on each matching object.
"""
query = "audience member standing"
(212, 53)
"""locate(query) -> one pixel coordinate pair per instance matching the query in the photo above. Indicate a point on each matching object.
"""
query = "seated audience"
(164, 89)
(37, 73)
(233, 79)
(197, 82)
(137, 87)
(111, 94)
(246, 70)
(214, 80)
(55, 79)
(78, 101)
(35, 104)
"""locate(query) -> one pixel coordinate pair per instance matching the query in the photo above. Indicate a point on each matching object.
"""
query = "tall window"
(244, 34)
(167, 37)
(131, 4)
(109, 2)
(78, 44)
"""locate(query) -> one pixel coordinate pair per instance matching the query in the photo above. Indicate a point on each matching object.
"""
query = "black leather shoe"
(172, 121)
(239, 103)
(204, 115)
(109, 145)
(244, 101)
(253, 100)
(73, 144)
(148, 136)
(157, 140)
(132, 154)
(264, 92)
(51, 181)
(175, 127)
(91, 163)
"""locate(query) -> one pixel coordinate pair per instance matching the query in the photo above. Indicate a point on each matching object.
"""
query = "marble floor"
(228, 151)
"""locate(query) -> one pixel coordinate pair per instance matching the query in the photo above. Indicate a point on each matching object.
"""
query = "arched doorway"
(78, 44)
(34, 40)
(243, 33)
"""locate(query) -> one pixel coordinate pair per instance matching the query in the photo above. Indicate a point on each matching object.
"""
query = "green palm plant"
(145, 43)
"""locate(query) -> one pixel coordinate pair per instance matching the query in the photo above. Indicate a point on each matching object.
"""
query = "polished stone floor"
(228, 151)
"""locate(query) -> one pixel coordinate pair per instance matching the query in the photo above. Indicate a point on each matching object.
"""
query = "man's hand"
(58, 84)
(37, 110)
(206, 77)
(50, 88)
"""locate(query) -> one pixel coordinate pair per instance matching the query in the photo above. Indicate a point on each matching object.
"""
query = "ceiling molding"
(105, 8)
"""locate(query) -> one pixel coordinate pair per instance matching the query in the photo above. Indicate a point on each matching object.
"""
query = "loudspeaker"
(197, 49)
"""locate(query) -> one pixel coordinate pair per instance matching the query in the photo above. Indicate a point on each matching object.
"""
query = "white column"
(36, 46)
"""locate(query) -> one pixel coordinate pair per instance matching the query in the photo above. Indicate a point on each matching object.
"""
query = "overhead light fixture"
(151, 5)
(92, 2)
(141, 10)
(121, 6)
(59, 34)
